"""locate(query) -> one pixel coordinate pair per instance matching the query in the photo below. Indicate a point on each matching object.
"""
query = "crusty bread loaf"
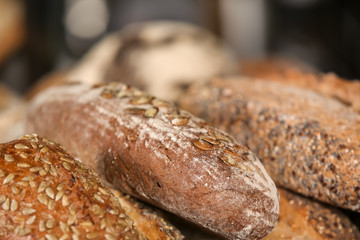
(46, 194)
(327, 84)
(308, 143)
(302, 218)
(147, 220)
(150, 149)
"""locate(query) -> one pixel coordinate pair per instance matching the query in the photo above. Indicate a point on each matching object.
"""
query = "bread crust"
(146, 219)
(307, 143)
(303, 218)
(150, 149)
(46, 194)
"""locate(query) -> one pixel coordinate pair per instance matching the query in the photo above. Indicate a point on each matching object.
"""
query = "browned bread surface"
(152, 150)
(308, 143)
(302, 218)
(147, 220)
(327, 84)
(46, 194)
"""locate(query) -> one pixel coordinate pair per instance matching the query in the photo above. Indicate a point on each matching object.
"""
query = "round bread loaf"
(46, 194)
(156, 152)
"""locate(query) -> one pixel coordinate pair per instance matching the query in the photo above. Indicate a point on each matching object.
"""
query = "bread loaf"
(46, 194)
(307, 143)
(147, 220)
(150, 149)
(302, 218)
(327, 84)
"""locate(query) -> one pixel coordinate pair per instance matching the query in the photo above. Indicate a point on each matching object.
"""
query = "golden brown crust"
(302, 218)
(46, 194)
(150, 149)
(146, 220)
(327, 84)
(308, 143)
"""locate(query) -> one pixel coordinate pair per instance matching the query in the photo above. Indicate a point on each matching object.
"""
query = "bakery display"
(46, 194)
(302, 218)
(308, 143)
(158, 153)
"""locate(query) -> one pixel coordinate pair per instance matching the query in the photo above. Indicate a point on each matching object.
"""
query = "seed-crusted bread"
(46, 194)
(302, 218)
(308, 143)
(327, 84)
(158, 153)
(146, 219)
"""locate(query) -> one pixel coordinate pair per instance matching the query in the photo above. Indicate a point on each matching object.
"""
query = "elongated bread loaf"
(308, 143)
(150, 149)
(302, 218)
(329, 84)
(46, 194)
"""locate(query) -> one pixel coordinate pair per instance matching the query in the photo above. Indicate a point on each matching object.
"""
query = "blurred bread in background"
(12, 110)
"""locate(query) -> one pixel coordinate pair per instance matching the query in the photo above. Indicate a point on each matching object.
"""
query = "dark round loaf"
(152, 150)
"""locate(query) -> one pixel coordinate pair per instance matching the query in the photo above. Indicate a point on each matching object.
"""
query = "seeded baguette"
(46, 194)
(165, 156)
(303, 218)
(146, 220)
(307, 143)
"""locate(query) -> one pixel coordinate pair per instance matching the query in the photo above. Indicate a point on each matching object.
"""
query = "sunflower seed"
(35, 169)
(60, 186)
(51, 204)
(66, 165)
(2, 199)
(8, 158)
(28, 211)
(31, 220)
(179, 121)
(64, 237)
(59, 195)
(50, 223)
(50, 237)
(64, 227)
(109, 237)
(50, 193)
(6, 204)
(8, 178)
(203, 145)
(15, 190)
(23, 165)
(42, 187)
(14, 205)
(2, 173)
(20, 146)
(42, 227)
(151, 112)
